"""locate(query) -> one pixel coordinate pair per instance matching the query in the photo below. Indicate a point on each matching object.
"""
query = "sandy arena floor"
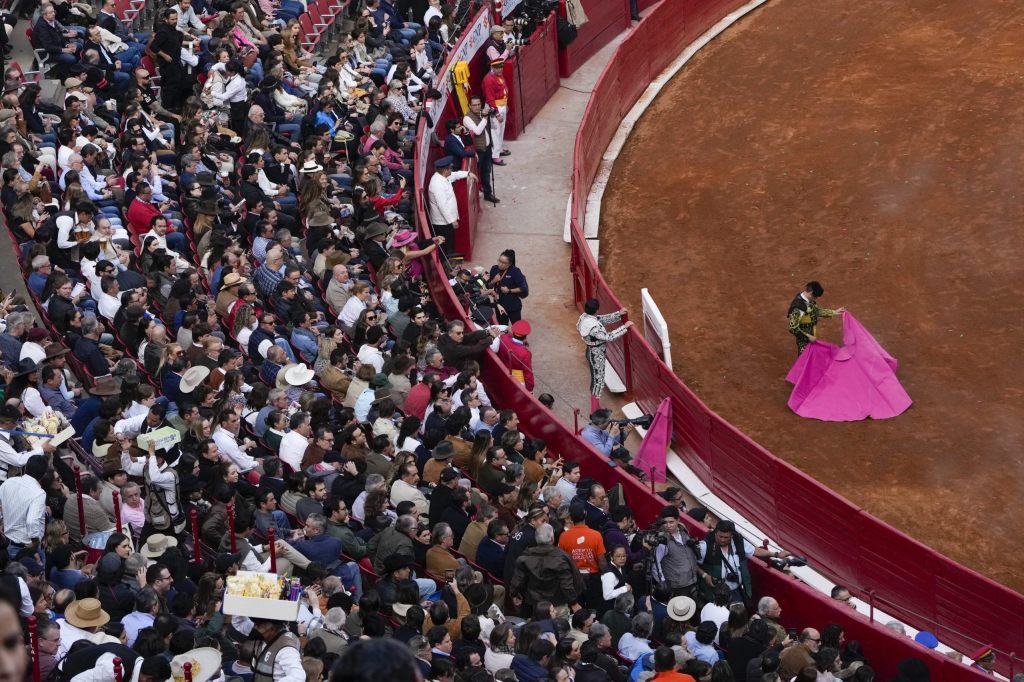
(876, 146)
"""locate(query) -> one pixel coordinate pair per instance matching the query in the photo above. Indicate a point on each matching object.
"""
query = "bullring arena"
(869, 146)
(874, 147)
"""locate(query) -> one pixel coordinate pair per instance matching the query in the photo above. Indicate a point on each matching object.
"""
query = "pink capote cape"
(851, 383)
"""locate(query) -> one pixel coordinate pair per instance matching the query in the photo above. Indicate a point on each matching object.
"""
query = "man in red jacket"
(142, 210)
(496, 95)
(516, 354)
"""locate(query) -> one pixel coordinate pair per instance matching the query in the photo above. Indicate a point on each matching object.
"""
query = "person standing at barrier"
(804, 313)
(496, 46)
(496, 95)
(515, 352)
(591, 329)
(477, 123)
(442, 207)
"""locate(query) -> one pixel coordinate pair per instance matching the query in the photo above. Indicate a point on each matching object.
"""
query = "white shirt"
(442, 207)
(33, 351)
(371, 355)
(65, 228)
(359, 507)
(567, 488)
(69, 634)
(293, 448)
(716, 614)
(23, 504)
(230, 450)
(33, 401)
(108, 305)
(164, 479)
(180, 264)
(350, 313)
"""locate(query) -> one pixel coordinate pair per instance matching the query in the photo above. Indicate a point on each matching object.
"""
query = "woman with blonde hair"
(56, 533)
(170, 352)
(330, 339)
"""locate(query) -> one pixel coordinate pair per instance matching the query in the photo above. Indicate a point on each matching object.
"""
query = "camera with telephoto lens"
(521, 31)
(787, 562)
(643, 422)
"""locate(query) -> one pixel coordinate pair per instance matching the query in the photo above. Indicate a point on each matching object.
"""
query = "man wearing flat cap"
(442, 207)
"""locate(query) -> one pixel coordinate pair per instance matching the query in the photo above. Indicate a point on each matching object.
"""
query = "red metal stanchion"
(33, 635)
(188, 672)
(231, 525)
(117, 509)
(117, 670)
(273, 550)
(195, 536)
(81, 504)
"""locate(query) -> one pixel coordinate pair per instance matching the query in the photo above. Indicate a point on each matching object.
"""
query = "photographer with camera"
(675, 556)
(604, 433)
(723, 558)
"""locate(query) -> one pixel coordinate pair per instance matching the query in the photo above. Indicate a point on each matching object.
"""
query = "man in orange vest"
(496, 95)
(586, 547)
(516, 354)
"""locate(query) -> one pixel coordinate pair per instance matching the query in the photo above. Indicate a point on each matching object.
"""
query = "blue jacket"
(306, 342)
(454, 146)
(87, 410)
(528, 670)
(171, 385)
(323, 548)
(491, 557)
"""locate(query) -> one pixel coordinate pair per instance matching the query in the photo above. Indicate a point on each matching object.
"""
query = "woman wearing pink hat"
(413, 249)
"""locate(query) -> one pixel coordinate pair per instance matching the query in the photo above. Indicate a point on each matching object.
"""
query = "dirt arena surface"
(879, 148)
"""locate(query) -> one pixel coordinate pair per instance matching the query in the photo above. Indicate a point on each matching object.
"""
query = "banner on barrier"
(509, 6)
(469, 44)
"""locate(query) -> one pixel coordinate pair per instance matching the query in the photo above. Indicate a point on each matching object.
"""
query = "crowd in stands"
(230, 256)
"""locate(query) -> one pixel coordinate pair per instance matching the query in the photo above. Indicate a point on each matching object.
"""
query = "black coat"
(48, 38)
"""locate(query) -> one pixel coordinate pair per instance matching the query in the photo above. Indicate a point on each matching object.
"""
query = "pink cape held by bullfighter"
(847, 383)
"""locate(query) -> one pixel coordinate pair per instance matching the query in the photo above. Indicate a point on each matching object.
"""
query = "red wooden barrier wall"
(605, 20)
(903, 576)
(532, 78)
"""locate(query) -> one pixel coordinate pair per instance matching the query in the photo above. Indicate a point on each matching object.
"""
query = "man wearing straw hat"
(82, 619)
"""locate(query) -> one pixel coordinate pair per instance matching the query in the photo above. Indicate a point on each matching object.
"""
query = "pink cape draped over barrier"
(650, 456)
(850, 383)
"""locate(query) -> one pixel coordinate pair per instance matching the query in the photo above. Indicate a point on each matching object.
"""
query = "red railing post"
(195, 536)
(188, 672)
(273, 550)
(118, 675)
(576, 420)
(81, 503)
(33, 635)
(117, 508)
(231, 525)
(871, 605)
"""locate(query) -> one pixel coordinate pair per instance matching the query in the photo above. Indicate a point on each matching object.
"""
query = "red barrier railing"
(841, 539)
(915, 583)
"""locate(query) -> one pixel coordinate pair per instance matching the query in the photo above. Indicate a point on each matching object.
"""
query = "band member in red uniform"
(496, 96)
(515, 353)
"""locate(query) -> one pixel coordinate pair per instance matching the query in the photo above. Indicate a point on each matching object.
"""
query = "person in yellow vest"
(496, 95)
(804, 313)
